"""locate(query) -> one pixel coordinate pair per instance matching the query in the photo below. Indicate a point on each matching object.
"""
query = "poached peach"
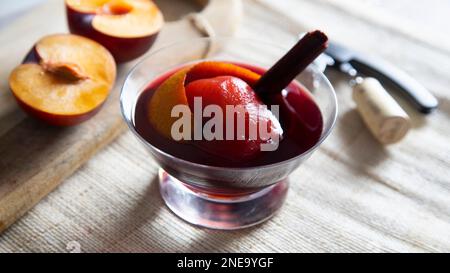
(219, 84)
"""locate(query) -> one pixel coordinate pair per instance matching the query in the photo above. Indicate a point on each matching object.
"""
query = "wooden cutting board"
(35, 158)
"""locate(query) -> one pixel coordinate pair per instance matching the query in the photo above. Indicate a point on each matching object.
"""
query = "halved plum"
(64, 80)
(127, 28)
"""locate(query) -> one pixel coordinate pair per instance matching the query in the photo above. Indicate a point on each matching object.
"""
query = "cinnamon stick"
(293, 63)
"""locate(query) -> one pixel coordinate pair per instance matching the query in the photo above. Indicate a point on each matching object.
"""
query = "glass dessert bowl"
(201, 186)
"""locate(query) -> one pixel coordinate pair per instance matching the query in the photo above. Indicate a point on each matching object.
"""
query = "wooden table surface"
(352, 195)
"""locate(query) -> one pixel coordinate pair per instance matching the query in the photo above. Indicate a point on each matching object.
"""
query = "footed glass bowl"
(221, 197)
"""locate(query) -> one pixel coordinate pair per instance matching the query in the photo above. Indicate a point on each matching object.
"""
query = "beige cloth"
(352, 195)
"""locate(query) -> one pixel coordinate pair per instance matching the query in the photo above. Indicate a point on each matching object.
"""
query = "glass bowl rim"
(218, 168)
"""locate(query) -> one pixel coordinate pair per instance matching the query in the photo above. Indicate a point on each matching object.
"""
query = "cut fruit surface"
(89, 58)
(39, 89)
(127, 28)
(70, 76)
(143, 19)
(121, 18)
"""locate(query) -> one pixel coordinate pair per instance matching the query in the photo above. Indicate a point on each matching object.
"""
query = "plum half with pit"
(64, 79)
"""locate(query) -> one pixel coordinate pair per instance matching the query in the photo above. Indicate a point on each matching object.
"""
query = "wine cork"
(387, 121)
